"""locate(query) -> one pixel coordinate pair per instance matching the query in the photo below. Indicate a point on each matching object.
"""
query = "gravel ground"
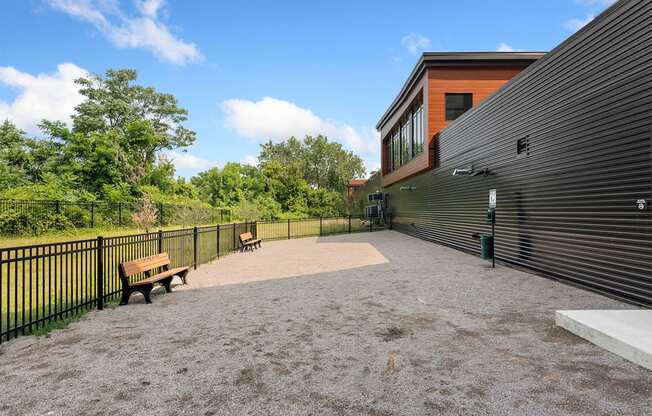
(363, 324)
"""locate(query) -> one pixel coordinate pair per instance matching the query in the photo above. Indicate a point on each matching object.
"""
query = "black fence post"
(119, 214)
(234, 237)
(58, 204)
(92, 215)
(288, 228)
(195, 248)
(371, 225)
(254, 229)
(160, 213)
(217, 228)
(160, 241)
(349, 224)
(321, 226)
(100, 273)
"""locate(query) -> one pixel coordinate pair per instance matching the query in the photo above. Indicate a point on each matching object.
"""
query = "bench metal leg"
(126, 293)
(147, 291)
(167, 283)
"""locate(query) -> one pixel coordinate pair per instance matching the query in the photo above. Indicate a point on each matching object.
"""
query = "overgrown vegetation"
(114, 150)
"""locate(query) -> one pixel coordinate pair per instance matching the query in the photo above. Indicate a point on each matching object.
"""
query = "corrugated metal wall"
(568, 208)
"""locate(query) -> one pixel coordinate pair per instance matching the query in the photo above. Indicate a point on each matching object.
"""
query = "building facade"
(441, 88)
(567, 145)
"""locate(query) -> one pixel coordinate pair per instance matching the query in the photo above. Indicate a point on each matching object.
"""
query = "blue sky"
(257, 70)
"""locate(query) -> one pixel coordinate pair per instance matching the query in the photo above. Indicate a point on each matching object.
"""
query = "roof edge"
(433, 59)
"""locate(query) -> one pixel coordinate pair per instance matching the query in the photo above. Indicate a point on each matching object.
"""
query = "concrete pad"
(627, 333)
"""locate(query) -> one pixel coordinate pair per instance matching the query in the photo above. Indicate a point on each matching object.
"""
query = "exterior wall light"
(471, 172)
(463, 171)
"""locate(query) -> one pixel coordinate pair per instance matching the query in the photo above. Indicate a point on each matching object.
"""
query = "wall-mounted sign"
(641, 204)
(492, 198)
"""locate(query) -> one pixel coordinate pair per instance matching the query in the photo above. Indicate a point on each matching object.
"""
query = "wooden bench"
(146, 265)
(247, 241)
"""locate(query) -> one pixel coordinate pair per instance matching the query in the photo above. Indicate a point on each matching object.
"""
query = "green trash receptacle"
(487, 246)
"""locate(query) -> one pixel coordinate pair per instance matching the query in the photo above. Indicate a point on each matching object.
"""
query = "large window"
(396, 150)
(417, 131)
(457, 104)
(406, 141)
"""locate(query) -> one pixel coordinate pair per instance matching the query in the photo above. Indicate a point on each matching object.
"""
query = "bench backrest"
(246, 237)
(130, 268)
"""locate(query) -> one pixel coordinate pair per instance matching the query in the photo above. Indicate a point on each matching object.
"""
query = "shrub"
(22, 222)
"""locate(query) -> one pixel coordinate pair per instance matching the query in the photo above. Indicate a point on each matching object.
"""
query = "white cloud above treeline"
(144, 30)
(277, 120)
(43, 96)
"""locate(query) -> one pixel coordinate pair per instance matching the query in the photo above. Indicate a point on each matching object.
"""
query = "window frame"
(406, 140)
(459, 110)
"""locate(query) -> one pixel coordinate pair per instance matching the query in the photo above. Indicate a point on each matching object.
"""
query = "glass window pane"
(457, 104)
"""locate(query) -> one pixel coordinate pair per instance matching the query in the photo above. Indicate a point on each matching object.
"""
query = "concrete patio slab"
(627, 333)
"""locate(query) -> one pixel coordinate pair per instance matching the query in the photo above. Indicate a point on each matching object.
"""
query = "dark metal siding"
(568, 208)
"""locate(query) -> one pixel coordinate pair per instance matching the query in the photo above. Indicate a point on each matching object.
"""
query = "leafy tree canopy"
(114, 150)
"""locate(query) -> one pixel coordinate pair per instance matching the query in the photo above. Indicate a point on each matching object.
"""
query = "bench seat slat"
(160, 276)
(145, 264)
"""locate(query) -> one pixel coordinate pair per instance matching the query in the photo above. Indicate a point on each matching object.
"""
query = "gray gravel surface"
(405, 328)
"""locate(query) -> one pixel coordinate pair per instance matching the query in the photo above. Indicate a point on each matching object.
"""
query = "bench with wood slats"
(146, 265)
(248, 242)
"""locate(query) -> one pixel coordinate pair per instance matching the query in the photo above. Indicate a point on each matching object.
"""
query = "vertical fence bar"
(349, 224)
(100, 273)
(195, 247)
(160, 241)
(119, 214)
(321, 226)
(218, 240)
(288, 228)
(233, 236)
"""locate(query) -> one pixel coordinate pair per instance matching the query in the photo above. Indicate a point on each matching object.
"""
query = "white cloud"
(415, 43)
(593, 7)
(274, 119)
(150, 7)
(187, 161)
(145, 31)
(576, 24)
(42, 96)
(504, 47)
(250, 160)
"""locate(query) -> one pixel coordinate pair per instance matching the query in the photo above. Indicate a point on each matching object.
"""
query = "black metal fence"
(43, 283)
(297, 228)
(37, 216)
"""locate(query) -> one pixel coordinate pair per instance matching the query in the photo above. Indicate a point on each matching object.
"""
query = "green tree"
(322, 163)
(118, 132)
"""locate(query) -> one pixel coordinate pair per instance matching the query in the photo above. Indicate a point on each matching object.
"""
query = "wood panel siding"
(478, 80)
(481, 82)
